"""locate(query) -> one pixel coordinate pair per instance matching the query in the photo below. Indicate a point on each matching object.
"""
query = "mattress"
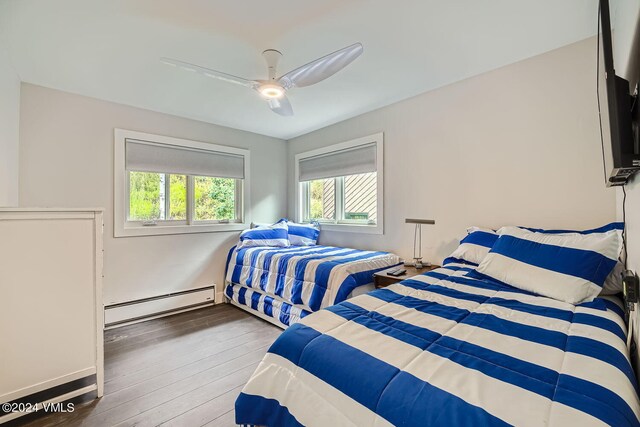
(446, 348)
(311, 277)
(275, 309)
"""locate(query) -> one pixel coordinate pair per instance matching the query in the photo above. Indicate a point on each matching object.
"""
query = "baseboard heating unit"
(162, 305)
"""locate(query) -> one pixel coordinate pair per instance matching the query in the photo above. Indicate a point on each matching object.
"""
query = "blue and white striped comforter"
(447, 349)
(312, 277)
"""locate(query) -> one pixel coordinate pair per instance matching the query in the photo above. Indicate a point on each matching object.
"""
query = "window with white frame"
(167, 185)
(340, 186)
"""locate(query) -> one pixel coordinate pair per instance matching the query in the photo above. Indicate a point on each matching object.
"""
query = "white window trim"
(124, 228)
(378, 228)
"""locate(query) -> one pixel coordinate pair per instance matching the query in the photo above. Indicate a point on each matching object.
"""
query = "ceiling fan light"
(271, 91)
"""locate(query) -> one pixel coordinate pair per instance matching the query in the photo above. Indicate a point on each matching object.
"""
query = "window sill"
(159, 230)
(353, 228)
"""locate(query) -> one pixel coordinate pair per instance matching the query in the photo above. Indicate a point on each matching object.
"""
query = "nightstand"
(381, 279)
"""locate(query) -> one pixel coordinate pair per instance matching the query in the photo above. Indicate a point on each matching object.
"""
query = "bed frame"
(357, 291)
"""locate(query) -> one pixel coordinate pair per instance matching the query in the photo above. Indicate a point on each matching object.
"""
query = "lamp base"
(418, 264)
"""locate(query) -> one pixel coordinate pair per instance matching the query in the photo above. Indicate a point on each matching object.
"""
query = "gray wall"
(626, 59)
(66, 160)
(626, 55)
(518, 145)
(9, 126)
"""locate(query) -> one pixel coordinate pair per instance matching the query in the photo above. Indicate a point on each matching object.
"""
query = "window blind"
(352, 161)
(143, 156)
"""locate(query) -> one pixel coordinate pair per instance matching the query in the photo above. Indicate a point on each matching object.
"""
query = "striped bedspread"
(446, 348)
(311, 277)
(278, 311)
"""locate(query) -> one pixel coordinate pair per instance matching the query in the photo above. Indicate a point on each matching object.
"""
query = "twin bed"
(455, 346)
(445, 348)
(283, 285)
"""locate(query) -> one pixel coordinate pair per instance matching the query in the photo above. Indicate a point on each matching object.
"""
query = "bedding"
(613, 283)
(303, 234)
(617, 226)
(273, 309)
(275, 235)
(444, 348)
(474, 247)
(310, 277)
(570, 267)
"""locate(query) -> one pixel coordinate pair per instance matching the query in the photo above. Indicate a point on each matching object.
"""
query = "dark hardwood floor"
(182, 370)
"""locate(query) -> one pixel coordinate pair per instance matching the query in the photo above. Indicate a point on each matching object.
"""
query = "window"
(340, 186)
(157, 197)
(360, 197)
(215, 199)
(321, 200)
(168, 186)
(357, 203)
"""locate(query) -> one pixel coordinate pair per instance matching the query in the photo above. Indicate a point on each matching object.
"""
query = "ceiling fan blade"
(209, 73)
(281, 106)
(322, 68)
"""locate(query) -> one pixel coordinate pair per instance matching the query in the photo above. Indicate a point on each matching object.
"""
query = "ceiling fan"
(273, 90)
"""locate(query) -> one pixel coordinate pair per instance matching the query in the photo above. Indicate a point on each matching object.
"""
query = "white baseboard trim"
(17, 394)
(163, 305)
(158, 316)
(220, 298)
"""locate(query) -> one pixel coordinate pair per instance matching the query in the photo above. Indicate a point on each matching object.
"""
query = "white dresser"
(51, 313)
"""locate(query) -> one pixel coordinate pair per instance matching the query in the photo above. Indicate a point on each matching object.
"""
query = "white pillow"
(613, 285)
(276, 235)
(568, 267)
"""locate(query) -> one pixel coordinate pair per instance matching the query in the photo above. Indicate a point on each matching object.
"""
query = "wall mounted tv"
(618, 122)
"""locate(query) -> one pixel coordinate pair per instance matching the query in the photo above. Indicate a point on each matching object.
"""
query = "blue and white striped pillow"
(613, 285)
(303, 234)
(276, 235)
(569, 267)
(474, 247)
(617, 226)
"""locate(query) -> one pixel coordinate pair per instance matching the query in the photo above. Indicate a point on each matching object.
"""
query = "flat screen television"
(617, 125)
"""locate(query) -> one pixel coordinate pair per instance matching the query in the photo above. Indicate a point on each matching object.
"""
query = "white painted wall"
(518, 145)
(9, 129)
(627, 62)
(624, 20)
(626, 51)
(66, 159)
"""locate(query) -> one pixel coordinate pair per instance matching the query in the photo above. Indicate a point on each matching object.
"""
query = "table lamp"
(417, 242)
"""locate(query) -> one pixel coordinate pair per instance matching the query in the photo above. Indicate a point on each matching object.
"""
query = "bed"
(448, 348)
(283, 285)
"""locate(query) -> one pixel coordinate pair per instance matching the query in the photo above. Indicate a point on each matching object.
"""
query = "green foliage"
(322, 198)
(316, 189)
(178, 199)
(144, 195)
(215, 198)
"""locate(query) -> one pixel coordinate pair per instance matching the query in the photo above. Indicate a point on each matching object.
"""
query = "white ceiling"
(109, 49)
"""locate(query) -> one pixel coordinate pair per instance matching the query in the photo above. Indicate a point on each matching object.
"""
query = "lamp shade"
(419, 221)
